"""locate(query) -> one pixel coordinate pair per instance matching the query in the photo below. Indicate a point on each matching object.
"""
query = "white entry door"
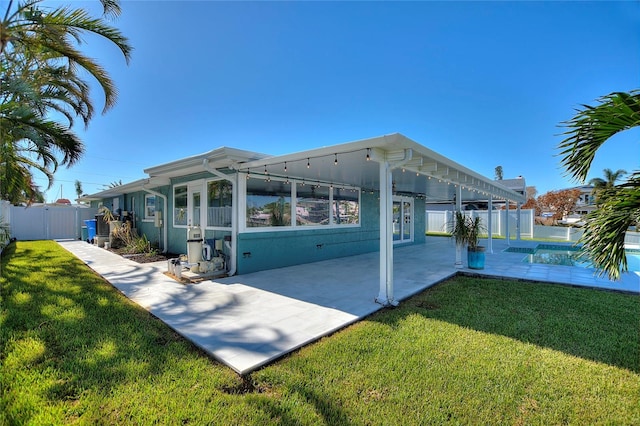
(402, 219)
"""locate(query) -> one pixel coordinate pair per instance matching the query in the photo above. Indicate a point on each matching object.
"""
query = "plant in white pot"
(466, 231)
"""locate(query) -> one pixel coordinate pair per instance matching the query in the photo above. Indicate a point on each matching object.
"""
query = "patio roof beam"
(414, 163)
(430, 167)
(445, 171)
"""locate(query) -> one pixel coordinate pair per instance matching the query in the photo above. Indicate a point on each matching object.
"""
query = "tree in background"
(606, 227)
(601, 186)
(531, 202)
(498, 172)
(78, 187)
(113, 184)
(531, 192)
(560, 203)
(40, 70)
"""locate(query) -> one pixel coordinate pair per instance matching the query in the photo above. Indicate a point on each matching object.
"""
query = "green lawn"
(469, 351)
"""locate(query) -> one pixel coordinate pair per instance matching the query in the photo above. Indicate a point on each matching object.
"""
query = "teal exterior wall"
(147, 227)
(108, 203)
(258, 251)
(419, 221)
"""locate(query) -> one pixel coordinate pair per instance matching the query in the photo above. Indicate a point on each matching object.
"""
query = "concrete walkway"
(246, 321)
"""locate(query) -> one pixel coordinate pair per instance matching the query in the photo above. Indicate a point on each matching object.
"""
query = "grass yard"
(468, 351)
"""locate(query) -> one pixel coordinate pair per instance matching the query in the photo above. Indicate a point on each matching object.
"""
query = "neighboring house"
(276, 211)
(587, 201)
(516, 185)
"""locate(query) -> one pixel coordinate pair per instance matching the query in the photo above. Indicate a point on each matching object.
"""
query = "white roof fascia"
(126, 188)
(317, 152)
(220, 157)
(434, 164)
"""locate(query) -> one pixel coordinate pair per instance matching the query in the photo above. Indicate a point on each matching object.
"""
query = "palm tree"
(498, 171)
(78, 187)
(30, 31)
(113, 184)
(39, 72)
(601, 186)
(592, 126)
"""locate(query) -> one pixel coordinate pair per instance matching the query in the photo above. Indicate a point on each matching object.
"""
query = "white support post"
(518, 221)
(507, 217)
(458, 263)
(385, 296)
(531, 222)
(490, 225)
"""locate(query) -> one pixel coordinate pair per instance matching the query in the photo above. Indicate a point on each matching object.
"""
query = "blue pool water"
(549, 254)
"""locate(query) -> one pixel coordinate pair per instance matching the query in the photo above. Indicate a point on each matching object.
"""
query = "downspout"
(234, 212)
(166, 215)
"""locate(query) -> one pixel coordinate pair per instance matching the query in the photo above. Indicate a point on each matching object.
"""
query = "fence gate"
(48, 222)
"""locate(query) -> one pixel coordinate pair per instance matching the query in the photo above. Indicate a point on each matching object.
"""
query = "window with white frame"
(180, 205)
(149, 207)
(312, 205)
(346, 206)
(272, 203)
(268, 203)
(219, 203)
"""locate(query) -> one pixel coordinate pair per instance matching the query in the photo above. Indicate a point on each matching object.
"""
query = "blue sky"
(484, 83)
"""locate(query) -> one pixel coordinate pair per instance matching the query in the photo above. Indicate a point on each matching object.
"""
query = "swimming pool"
(552, 254)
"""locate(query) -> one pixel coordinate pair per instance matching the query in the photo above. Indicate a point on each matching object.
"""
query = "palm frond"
(606, 227)
(594, 125)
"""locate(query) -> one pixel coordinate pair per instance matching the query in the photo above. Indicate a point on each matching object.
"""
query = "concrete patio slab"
(246, 321)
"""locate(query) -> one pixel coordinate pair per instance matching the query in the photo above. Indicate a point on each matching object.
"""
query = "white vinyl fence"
(4, 223)
(436, 222)
(46, 221)
(501, 221)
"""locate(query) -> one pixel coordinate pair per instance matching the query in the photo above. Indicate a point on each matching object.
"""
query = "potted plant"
(465, 231)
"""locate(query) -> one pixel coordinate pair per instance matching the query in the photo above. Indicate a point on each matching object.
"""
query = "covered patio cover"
(393, 165)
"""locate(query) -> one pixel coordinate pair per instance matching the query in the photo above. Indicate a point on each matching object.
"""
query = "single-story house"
(277, 211)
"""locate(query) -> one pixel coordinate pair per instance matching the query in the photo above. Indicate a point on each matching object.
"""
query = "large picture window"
(268, 203)
(180, 205)
(275, 203)
(346, 207)
(312, 205)
(219, 203)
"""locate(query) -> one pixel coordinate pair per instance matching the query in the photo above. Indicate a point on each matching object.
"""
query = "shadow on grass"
(324, 406)
(74, 333)
(598, 325)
